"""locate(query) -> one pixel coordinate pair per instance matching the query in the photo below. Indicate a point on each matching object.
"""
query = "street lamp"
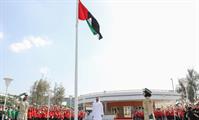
(172, 85)
(8, 80)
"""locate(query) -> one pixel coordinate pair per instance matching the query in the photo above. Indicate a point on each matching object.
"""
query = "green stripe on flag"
(91, 27)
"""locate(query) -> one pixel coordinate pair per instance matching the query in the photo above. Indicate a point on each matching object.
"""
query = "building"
(124, 102)
(70, 101)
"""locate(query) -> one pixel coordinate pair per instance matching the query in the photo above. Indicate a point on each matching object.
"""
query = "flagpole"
(76, 63)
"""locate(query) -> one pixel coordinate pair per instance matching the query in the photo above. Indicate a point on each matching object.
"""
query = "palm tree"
(192, 84)
(188, 86)
(182, 89)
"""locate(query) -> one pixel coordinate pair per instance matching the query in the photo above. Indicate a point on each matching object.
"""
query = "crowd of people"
(171, 113)
(24, 111)
(65, 113)
(41, 113)
(9, 113)
(55, 113)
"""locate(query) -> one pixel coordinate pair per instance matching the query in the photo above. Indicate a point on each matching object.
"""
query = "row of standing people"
(26, 112)
(171, 113)
(55, 113)
(41, 113)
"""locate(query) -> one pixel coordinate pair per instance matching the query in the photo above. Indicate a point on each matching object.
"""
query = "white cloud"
(39, 42)
(1, 35)
(28, 43)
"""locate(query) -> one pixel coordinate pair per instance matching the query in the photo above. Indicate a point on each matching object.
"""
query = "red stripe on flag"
(83, 12)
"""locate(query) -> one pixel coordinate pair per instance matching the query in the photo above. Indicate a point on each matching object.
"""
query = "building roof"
(129, 95)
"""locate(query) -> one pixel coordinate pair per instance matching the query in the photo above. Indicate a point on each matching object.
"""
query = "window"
(127, 111)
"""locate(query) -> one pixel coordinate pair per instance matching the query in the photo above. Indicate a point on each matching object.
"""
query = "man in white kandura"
(97, 110)
(23, 108)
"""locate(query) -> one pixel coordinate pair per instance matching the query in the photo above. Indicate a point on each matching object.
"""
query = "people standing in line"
(97, 110)
(9, 115)
(14, 113)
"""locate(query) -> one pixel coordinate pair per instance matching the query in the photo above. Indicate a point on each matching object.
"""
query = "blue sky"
(146, 42)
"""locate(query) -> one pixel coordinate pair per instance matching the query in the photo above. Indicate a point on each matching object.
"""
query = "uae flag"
(84, 14)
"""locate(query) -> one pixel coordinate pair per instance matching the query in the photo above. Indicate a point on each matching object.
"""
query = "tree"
(189, 85)
(33, 94)
(192, 84)
(39, 92)
(59, 92)
(182, 89)
(191, 93)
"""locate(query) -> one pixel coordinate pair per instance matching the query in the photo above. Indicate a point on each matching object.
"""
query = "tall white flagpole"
(76, 63)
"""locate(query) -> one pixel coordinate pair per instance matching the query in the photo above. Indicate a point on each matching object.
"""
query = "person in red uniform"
(30, 113)
(67, 114)
(81, 115)
(158, 114)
